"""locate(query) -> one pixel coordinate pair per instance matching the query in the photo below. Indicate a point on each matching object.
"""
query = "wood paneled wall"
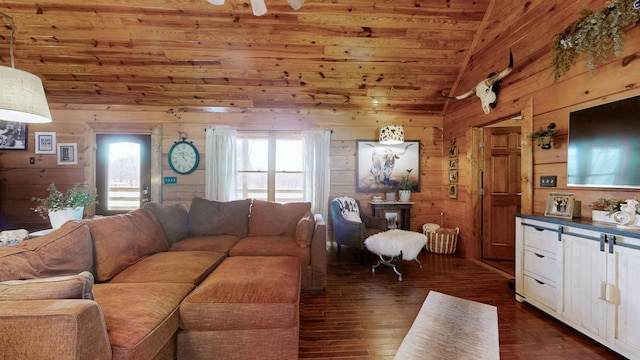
(20, 181)
(529, 28)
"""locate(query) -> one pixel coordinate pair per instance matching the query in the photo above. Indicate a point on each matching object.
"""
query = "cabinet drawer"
(541, 291)
(541, 237)
(541, 264)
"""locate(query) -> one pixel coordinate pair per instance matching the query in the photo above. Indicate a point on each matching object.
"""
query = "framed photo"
(68, 154)
(13, 135)
(392, 219)
(453, 151)
(560, 205)
(45, 142)
(453, 191)
(380, 168)
(453, 176)
(453, 164)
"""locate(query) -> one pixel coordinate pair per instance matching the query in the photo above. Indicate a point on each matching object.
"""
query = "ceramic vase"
(405, 195)
(59, 217)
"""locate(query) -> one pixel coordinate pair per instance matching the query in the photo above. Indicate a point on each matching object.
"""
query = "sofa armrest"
(36, 329)
(319, 254)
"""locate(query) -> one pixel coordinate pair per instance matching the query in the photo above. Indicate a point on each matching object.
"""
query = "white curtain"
(220, 164)
(315, 164)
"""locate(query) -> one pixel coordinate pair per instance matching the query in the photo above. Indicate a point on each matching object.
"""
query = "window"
(269, 166)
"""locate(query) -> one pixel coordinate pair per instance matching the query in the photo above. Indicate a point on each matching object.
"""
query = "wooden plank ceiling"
(193, 56)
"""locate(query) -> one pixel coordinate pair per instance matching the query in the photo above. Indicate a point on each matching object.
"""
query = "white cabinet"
(539, 263)
(623, 295)
(586, 276)
(584, 281)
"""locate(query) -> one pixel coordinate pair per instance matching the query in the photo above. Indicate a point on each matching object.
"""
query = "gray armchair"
(353, 233)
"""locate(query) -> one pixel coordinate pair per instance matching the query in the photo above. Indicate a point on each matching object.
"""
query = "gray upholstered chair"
(349, 232)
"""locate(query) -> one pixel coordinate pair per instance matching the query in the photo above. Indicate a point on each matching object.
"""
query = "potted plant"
(61, 207)
(543, 137)
(404, 188)
(602, 209)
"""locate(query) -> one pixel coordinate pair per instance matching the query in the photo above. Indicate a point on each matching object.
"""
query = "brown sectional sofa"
(221, 280)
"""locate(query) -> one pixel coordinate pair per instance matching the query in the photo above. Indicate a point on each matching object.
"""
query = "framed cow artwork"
(381, 168)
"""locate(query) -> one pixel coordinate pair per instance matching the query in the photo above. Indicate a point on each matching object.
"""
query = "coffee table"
(391, 245)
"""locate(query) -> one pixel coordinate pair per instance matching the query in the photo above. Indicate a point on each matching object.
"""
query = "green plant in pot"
(60, 207)
(544, 137)
(404, 188)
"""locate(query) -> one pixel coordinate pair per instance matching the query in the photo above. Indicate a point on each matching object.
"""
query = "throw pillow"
(173, 218)
(348, 208)
(122, 240)
(78, 286)
(210, 217)
(271, 218)
(67, 250)
(304, 230)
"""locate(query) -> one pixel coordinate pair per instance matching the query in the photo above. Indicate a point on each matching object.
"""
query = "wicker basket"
(442, 240)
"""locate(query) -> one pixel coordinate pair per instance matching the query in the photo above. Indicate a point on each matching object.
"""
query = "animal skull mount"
(487, 90)
(259, 7)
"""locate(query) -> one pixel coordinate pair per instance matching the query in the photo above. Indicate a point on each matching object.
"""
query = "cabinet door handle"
(539, 282)
(603, 291)
(608, 292)
(538, 255)
(612, 294)
(538, 228)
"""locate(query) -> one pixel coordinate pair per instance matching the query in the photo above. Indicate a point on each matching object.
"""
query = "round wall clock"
(183, 157)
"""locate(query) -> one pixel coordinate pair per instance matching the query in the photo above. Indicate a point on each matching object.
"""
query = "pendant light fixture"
(392, 135)
(22, 97)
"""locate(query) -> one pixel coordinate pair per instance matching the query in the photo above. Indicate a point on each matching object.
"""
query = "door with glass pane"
(123, 172)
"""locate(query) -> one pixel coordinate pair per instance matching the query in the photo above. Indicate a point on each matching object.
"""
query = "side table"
(381, 208)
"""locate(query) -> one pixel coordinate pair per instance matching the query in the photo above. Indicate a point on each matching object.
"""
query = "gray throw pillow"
(210, 217)
(173, 218)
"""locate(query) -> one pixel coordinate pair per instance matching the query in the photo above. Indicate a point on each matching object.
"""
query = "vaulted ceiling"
(193, 56)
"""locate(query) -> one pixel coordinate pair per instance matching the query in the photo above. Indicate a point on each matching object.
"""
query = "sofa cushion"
(173, 218)
(141, 317)
(172, 267)
(245, 293)
(78, 286)
(209, 217)
(122, 240)
(65, 251)
(270, 218)
(271, 246)
(217, 243)
(304, 229)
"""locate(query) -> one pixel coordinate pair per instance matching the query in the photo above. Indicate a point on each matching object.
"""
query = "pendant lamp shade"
(22, 97)
(392, 135)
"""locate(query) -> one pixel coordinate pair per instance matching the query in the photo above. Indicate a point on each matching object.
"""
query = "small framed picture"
(453, 151)
(68, 154)
(453, 176)
(453, 191)
(453, 164)
(45, 142)
(13, 135)
(560, 205)
(392, 219)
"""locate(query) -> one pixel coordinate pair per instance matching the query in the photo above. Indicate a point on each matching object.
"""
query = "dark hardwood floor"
(365, 315)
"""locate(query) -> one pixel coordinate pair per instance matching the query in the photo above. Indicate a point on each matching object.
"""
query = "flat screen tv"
(604, 145)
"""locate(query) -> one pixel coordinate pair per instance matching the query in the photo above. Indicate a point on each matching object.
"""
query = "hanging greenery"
(598, 34)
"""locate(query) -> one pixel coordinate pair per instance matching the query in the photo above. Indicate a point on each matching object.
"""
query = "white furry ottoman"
(395, 243)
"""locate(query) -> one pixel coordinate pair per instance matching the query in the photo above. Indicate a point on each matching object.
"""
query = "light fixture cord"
(13, 36)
